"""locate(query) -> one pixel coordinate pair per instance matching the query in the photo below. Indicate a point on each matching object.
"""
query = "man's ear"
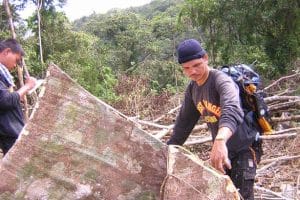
(205, 57)
(6, 51)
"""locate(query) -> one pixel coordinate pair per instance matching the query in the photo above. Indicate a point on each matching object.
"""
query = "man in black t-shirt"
(214, 96)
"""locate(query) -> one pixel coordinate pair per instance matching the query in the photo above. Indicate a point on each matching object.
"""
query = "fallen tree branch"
(281, 79)
(298, 186)
(274, 161)
(199, 140)
(163, 133)
(285, 105)
(280, 136)
(271, 192)
(152, 124)
(271, 99)
(283, 158)
(202, 139)
(285, 131)
(286, 92)
(290, 118)
(169, 128)
(261, 170)
(200, 127)
(168, 113)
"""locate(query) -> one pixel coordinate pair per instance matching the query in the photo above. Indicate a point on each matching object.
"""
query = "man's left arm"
(219, 153)
(231, 117)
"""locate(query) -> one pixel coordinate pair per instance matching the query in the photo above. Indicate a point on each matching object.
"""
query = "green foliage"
(140, 43)
(81, 63)
(238, 31)
(75, 52)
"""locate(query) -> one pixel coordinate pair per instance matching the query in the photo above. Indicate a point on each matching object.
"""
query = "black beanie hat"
(188, 50)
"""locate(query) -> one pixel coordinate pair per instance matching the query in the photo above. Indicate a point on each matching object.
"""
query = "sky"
(76, 9)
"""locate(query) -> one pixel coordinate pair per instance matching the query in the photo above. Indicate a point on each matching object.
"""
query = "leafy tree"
(4, 26)
(266, 31)
(75, 52)
(45, 4)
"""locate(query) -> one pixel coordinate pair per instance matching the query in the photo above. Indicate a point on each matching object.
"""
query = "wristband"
(220, 137)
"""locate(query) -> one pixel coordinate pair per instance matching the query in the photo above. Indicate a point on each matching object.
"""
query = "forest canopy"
(111, 53)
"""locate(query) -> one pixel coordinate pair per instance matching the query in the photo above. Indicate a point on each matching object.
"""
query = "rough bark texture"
(189, 178)
(77, 147)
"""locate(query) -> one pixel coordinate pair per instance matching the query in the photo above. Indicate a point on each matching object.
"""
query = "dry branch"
(205, 139)
(168, 113)
(274, 161)
(163, 133)
(168, 129)
(277, 82)
(290, 118)
(283, 158)
(261, 170)
(272, 137)
(286, 131)
(271, 192)
(200, 140)
(153, 124)
(286, 92)
(271, 99)
(282, 106)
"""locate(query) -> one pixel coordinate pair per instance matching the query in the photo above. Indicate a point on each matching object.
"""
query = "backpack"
(252, 99)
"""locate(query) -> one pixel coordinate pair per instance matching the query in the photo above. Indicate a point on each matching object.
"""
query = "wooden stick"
(153, 124)
(290, 118)
(285, 131)
(263, 137)
(281, 79)
(261, 170)
(168, 113)
(272, 137)
(163, 133)
(198, 141)
(274, 161)
(271, 99)
(284, 105)
(283, 158)
(286, 92)
(271, 192)
(298, 186)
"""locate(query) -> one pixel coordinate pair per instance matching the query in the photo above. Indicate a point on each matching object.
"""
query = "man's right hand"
(29, 84)
(219, 156)
(219, 153)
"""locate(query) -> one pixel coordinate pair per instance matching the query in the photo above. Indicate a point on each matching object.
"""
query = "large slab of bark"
(189, 178)
(78, 147)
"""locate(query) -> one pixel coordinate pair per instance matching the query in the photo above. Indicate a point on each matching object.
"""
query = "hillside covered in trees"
(138, 44)
(127, 57)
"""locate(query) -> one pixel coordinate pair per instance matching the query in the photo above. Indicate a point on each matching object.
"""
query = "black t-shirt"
(217, 101)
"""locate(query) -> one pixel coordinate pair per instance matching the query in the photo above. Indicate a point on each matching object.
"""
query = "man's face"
(11, 59)
(196, 69)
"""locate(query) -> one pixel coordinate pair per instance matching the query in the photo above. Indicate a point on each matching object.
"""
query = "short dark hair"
(13, 44)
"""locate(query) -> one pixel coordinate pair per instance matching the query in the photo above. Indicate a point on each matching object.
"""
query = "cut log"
(188, 178)
(77, 147)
